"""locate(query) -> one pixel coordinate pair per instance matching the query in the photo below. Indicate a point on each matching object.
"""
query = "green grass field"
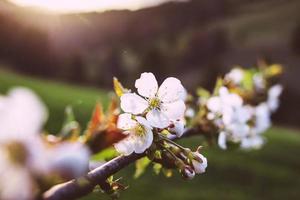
(270, 173)
(57, 96)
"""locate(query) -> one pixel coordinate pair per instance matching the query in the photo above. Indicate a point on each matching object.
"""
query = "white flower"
(177, 127)
(259, 82)
(22, 115)
(252, 142)
(262, 118)
(190, 113)
(230, 115)
(237, 131)
(228, 107)
(236, 75)
(199, 163)
(273, 97)
(162, 104)
(222, 140)
(69, 159)
(225, 102)
(12, 177)
(139, 131)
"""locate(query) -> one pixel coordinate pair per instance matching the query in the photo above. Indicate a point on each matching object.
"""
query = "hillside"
(195, 40)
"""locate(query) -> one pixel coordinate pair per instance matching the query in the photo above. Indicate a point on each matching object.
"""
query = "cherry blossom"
(252, 142)
(139, 131)
(273, 97)
(230, 115)
(22, 115)
(161, 105)
(236, 76)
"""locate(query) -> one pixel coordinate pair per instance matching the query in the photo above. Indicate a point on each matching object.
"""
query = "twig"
(80, 187)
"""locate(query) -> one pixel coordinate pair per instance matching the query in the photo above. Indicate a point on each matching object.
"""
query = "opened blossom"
(240, 123)
(273, 97)
(139, 134)
(236, 76)
(162, 105)
(230, 115)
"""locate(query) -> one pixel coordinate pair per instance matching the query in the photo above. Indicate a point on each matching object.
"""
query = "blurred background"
(68, 52)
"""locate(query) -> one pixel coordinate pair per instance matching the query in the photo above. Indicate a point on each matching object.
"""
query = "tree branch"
(80, 187)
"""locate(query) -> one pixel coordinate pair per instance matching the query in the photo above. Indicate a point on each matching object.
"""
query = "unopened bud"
(199, 163)
(188, 173)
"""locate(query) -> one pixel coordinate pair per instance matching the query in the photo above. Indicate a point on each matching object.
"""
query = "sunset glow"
(67, 6)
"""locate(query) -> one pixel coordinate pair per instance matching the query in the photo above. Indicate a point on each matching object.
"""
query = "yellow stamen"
(154, 103)
(17, 153)
(140, 130)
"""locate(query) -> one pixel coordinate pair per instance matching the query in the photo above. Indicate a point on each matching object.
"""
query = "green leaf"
(203, 93)
(219, 84)
(70, 124)
(140, 166)
(247, 82)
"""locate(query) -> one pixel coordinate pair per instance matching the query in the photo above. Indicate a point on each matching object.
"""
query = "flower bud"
(199, 163)
(188, 173)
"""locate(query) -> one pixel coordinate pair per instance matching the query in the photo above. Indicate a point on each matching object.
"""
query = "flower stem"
(185, 150)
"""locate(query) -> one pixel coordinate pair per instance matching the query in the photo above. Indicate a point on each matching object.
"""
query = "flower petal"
(214, 104)
(262, 118)
(275, 91)
(125, 122)
(254, 142)
(157, 119)
(171, 90)
(132, 103)
(13, 177)
(178, 128)
(22, 115)
(222, 140)
(200, 166)
(147, 85)
(70, 159)
(233, 100)
(235, 75)
(144, 142)
(143, 122)
(125, 146)
(238, 131)
(273, 97)
(174, 110)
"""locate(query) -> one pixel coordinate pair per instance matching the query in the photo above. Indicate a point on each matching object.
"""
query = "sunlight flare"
(67, 6)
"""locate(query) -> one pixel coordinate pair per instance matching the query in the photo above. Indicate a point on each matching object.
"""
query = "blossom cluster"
(236, 119)
(151, 115)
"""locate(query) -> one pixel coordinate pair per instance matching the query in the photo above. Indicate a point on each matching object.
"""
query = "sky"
(68, 6)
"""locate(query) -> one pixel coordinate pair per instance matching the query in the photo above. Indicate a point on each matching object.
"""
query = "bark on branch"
(81, 187)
